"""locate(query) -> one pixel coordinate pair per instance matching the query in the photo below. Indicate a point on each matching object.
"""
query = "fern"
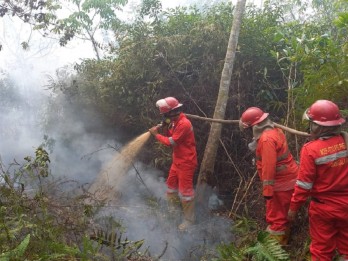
(267, 249)
(230, 252)
(264, 249)
(114, 239)
(17, 252)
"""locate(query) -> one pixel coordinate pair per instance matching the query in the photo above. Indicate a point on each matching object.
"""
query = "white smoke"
(23, 113)
(143, 210)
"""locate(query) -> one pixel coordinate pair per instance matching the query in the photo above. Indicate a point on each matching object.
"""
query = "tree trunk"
(208, 162)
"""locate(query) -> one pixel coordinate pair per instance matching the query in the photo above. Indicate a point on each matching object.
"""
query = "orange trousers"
(328, 227)
(181, 180)
(277, 212)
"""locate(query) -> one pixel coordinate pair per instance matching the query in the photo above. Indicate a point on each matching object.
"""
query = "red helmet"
(167, 104)
(252, 116)
(324, 113)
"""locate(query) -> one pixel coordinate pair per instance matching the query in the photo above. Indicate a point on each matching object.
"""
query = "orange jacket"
(323, 173)
(275, 164)
(181, 138)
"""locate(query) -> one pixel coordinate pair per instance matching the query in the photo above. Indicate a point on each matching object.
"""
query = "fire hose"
(290, 130)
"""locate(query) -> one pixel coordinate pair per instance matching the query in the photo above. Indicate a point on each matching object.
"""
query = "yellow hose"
(293, 131)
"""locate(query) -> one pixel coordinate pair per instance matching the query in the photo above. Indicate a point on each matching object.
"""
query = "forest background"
(289, 54)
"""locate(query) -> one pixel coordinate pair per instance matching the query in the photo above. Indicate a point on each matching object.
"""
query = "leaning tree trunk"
(208, 162)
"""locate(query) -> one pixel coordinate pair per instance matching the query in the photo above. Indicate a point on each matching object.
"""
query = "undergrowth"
(251, 244)
(39, 220)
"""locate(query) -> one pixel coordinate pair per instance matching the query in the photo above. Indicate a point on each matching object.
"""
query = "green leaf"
(18, 252)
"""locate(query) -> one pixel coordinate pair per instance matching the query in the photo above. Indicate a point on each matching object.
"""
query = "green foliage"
(40, 164)
(29, 227)
(267, 248)
(251, 244)
(151, 8)
(312, 58)
(179, 53)
(87, 17)
(262, 80)
(34, 12)
(292, 52)
(230, 252)
(41, 221)
(18, 252)
(264, 249)
(342, 20)
(152, 61)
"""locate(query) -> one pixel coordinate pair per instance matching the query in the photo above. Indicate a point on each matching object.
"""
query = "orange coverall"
(181, 138)
(277, 170)
(323, 175)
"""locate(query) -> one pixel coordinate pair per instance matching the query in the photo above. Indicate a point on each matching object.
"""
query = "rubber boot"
(282, 239)
(286, 237)
(189, 215)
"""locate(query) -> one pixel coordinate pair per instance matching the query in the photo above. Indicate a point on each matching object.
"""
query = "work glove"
(163, 126)
(292, 215)
(154, 130)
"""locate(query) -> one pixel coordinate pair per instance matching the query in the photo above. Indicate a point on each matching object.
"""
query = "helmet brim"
(177, 106)
(331, 123)
(305, 116)
(262, 118)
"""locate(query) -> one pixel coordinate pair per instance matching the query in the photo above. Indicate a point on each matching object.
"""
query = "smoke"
(143, 210)
(31, 115)
(27, 105)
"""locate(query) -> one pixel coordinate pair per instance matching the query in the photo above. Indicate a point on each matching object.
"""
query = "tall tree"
(67, 18)
(33, 12)
(208, 162)
(85, 19)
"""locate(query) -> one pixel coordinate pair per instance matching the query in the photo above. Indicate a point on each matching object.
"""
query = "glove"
(154, 130)
(292, 215)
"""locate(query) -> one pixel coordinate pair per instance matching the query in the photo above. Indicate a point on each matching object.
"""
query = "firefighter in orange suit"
(276, 167)
(178, 134)
(323, 176)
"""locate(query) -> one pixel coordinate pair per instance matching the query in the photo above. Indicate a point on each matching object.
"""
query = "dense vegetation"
(289, 55)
